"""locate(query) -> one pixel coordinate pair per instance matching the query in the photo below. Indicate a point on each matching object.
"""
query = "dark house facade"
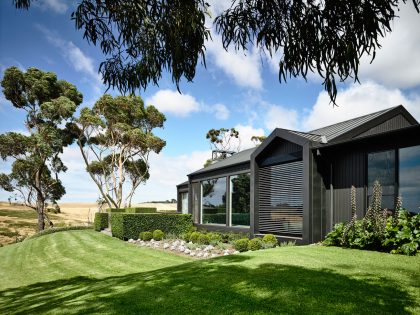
(297, 185)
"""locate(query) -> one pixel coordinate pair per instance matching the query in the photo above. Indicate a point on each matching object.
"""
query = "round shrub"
(185, 236)
(241, 245)
(269, 240)
(158, 235)
(146, 236)
(194, 237)
(203, 239)
(214, 238)
(255, 244)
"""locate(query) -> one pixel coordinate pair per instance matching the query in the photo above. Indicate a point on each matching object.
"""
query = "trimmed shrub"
(194, 237)
(158, 235)
(269, 241)
(203, 239)
(115, 210)
(140, 210)
(255, 244)
(146, 236)
(101, 221)
(241, 245)
(129, 225)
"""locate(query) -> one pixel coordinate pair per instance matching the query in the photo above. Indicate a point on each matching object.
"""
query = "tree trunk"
(40, 210)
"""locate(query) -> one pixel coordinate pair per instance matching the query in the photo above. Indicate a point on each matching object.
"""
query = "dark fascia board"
(279, 133)
(374, 122)
(396, 131)
(184, 184)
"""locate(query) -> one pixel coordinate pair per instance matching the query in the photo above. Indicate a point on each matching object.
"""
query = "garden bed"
(190, 249)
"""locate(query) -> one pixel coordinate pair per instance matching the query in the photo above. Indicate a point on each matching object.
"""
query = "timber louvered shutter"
(281, 199)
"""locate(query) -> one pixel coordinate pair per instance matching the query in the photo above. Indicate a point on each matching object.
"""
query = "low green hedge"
(101, 221)
(113, 210)
(129, 225)
(140, 210)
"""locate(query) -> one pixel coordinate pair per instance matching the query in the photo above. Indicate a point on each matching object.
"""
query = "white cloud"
(245, 134)
(356, 101)
(75, 57)
(57, 6)
(244, 69)
(281, 117)
(181, 105)
(173, 102)
(397, 63)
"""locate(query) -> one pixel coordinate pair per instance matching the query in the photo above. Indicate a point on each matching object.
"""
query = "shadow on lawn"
(218, 286)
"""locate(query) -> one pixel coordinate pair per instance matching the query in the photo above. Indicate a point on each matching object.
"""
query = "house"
(297, 185)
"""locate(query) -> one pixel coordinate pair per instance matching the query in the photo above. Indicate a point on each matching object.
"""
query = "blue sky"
(235, 90)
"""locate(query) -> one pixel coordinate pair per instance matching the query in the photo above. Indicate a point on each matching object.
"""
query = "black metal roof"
(341, 131)
(237, 158)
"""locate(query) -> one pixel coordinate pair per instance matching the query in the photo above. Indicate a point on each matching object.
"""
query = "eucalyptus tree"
(47, 103)
(142, 39)
(116, 138)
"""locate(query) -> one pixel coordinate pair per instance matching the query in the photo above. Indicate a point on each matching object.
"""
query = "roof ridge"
(358, 117)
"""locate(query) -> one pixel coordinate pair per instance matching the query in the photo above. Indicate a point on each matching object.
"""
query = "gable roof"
(238, 158)
(339, 132)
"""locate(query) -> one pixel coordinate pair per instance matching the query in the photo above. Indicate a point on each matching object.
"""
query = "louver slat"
(281, 199)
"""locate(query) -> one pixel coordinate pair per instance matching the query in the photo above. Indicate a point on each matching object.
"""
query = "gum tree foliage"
(48, 104)
(222, 142)
(116, 138)
(141, 38)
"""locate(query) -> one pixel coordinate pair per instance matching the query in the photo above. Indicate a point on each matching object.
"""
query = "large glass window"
(184, 202)
(240, 199)
(381, 168)
(214, 201)
(409, 178)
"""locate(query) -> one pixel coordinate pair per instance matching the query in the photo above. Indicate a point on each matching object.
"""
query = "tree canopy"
(116, 138)
(48, 103)
(140, 39)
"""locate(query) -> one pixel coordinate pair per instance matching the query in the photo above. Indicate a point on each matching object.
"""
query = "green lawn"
(88, 272)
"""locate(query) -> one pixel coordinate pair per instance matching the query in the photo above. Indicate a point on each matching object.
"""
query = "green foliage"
(48, 104)
(335, 237)
(158, 235)
(101, 221)
(203, 239)
(194, 236)
(129, 225)
(58, 229)
(146, 235)
(402, 234)
(231, 237)
(114, 210)
(241, 245)
(214, 238)
(123, 127)
(255, 244)
(269, 241)
(140, 210)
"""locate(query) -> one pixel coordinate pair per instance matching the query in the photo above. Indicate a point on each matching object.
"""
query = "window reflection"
(214, 201)
(240, 199)
(409, 178)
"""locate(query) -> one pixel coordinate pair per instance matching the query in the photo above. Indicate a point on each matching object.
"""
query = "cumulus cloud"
(57, 6)
(181, 105)
(77, 59)
(169, 101)
(281, 117)
(358, 100)
(246, 132)
(397, 63)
